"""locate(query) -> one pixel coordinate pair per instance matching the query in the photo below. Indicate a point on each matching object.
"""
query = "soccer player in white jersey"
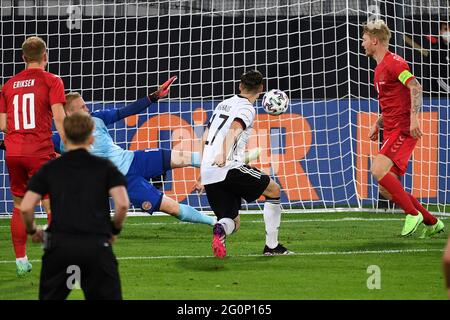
(226, 177)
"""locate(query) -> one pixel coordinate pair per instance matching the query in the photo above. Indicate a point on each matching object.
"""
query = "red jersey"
(392, 76)
(27, 99)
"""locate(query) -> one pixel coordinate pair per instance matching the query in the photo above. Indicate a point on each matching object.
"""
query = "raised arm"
(415, 90)
(111, 116)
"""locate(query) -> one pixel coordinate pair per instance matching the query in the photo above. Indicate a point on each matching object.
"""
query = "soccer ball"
(275, 102)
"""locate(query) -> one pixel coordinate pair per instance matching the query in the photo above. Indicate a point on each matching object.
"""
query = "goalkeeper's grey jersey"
(219, 125)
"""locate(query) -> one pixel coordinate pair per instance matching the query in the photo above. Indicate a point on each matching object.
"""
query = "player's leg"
(102, 280)
(184, 212)
(181, 159)
(19, 238)
(142, 194)
(225, 206)
(53, 278)
(18, 183)
(397, 150)
(251, 183)
(272, 220)
(428, 219)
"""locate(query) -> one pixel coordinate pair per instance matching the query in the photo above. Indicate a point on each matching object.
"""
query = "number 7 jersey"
(27, 99)
(236, 107)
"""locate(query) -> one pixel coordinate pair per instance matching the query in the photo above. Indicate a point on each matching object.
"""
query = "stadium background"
(118, 51)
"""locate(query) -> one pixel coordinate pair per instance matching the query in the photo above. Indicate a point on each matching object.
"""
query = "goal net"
(114, 52)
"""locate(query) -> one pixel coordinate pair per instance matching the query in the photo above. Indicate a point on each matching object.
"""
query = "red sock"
(49, 219)
(428, 218)
(399, 195)
(18, 234)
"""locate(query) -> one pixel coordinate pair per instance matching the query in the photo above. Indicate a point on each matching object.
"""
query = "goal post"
(114, 52)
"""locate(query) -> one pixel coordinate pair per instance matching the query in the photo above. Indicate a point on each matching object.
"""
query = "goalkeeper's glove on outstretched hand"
(163, 90)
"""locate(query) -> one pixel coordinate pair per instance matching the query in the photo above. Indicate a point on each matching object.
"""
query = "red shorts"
(21, 169)
(398, 147)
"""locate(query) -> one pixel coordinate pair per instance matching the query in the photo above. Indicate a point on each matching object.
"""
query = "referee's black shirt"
(78, 184)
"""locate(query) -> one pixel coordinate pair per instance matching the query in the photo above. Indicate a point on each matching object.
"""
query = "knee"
(273, 190)
(377, 172)
(170, 206)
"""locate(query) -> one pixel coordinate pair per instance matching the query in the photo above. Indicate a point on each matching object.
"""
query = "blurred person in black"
(446, 262)
(81, 233)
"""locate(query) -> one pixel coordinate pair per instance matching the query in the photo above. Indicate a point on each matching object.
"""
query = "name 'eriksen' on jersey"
(23, 83)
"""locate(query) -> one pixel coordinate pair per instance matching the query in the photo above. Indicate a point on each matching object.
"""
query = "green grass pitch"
(163, 259)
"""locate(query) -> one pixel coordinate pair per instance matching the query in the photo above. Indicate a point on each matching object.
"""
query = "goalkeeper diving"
(141, 165)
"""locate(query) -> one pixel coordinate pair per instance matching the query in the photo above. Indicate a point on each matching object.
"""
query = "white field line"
(283, 221)
(320, 253)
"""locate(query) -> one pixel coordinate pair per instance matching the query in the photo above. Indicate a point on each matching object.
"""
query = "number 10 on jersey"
(27, 107)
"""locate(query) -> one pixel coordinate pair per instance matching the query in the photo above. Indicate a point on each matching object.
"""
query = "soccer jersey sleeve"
(56, 93)
(108, 116)
(247, 115)
(38, 182)
(400, 70)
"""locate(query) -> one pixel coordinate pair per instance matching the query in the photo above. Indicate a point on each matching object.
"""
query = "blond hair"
(33, 49)
(377, 29)
(69, 98)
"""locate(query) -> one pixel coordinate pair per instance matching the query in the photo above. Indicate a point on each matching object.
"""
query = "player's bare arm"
(446, 266)
(121, 204)
(29, 202)
(416, 105)
(58, 117)
(3, 126)
(232, 134)
(373, 132)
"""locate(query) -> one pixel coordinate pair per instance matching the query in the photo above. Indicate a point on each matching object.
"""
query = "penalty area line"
(320, 253)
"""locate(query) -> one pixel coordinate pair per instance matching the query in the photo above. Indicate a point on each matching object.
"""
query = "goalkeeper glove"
(163, 90)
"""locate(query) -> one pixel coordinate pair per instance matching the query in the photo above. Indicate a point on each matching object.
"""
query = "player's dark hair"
(251, 80)
(78, 127)
(33, 49)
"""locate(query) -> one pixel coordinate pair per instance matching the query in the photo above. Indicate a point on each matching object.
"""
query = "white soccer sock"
(228, 225)
(272, 220)
(23, 259)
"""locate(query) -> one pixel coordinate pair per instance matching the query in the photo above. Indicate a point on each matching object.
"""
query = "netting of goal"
(114, 52)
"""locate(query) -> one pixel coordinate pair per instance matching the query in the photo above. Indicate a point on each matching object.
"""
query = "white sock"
(228, 225)
(23, 259)
(272, 220)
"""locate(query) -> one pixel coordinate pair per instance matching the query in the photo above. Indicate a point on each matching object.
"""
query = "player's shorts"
(244, 182)
(398, 147)
(142, 194)
(21, 169)
(150, 163)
